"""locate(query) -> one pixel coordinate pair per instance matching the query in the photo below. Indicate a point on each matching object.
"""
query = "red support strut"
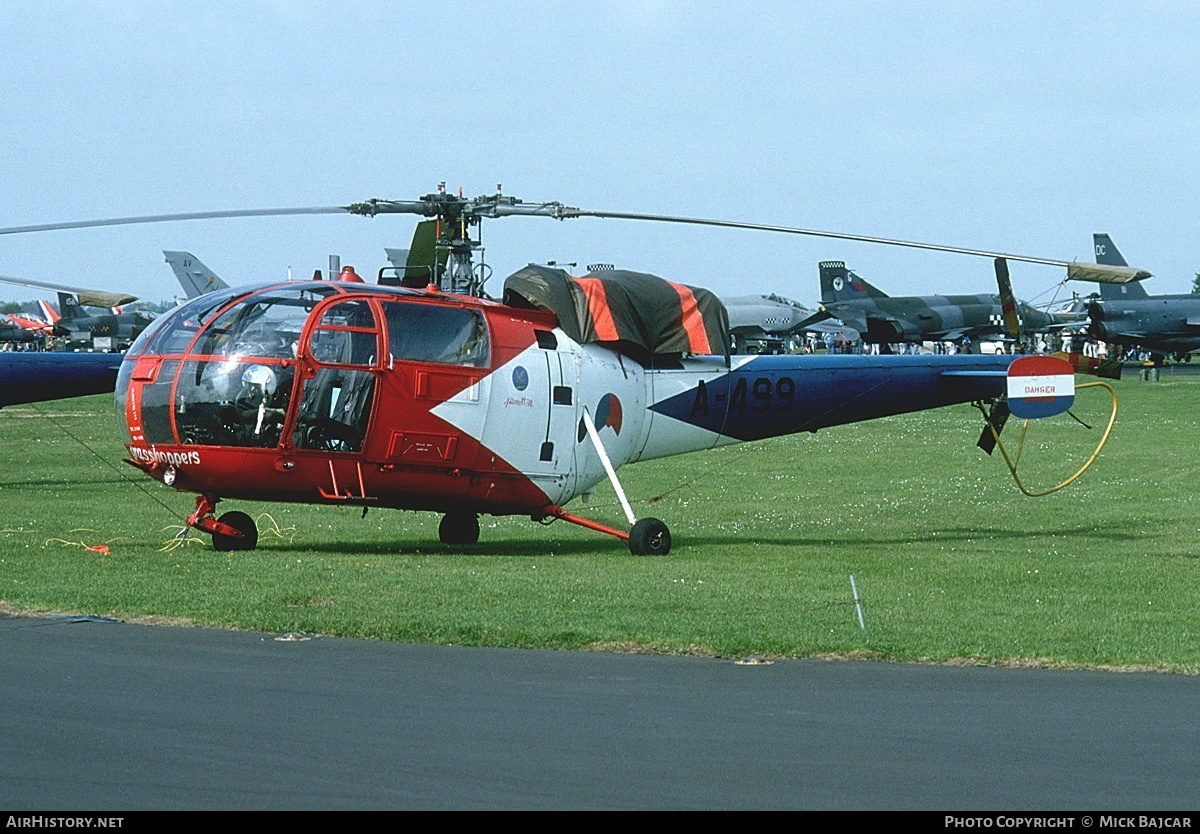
(559, 512)
(204, 519)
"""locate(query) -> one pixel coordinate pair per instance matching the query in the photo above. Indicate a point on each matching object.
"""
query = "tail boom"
(769, 396)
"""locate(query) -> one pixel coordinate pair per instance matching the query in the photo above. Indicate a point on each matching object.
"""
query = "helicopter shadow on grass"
(434, 548)
(35, 483)
(686, 546)
(928, 535)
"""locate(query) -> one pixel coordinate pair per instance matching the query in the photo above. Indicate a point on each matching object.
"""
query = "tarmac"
(108, 716)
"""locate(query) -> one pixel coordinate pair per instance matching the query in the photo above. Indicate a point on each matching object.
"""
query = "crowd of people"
(1069, 342)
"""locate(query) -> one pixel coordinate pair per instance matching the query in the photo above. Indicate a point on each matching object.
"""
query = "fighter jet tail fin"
(195, 278)
(48, 312)
(840, 284)
(68, 306)
(1108, 254)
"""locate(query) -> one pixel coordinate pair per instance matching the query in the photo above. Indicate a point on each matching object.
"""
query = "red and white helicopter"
(422, 395)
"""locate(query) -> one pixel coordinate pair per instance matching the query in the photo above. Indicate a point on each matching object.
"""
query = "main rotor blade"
(167, 218)
(443, 205)
(733, 224)
(47, 285)
(1008, 301)
(1105, 273)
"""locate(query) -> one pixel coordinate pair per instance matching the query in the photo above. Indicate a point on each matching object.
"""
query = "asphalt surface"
(111, 716)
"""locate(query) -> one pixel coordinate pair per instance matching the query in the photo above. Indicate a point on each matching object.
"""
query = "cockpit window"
(139, 344)
(181, 324)
(265, 325)
(345, 335)
(433, 333)
(231, 403)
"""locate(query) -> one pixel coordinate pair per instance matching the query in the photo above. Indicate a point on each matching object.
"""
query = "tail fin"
(195, 278)
(68, 306)
(48, 312)
(1108, 254)
(840, 284)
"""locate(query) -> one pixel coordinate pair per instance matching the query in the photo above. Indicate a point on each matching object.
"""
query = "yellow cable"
(1012, 465)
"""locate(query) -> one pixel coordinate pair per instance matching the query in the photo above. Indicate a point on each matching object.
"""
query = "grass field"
(953, 564)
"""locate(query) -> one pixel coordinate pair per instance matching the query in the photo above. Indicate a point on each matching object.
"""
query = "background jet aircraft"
(884, 319)
(16, 330)
(769, 322)
(103, 331)
(115, 330)
(1126, 315)
(195, 278)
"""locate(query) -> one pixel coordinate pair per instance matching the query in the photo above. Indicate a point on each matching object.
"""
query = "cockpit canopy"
(222, 370)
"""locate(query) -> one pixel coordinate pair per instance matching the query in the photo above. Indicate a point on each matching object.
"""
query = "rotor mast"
(458, 224)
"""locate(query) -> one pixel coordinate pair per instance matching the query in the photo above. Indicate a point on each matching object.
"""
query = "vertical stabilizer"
(195, 278)
(840, 284)
(68, 306)
(1107, 253)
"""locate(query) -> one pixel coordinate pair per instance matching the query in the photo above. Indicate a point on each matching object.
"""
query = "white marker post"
(857, 603)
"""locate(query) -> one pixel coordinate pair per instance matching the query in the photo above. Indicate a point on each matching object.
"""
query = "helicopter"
(418, 392)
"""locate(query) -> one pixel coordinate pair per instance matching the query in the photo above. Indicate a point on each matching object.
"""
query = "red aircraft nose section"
(327, 392)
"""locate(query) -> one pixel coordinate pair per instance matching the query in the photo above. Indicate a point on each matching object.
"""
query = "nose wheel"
(247, 538)
(232, 531)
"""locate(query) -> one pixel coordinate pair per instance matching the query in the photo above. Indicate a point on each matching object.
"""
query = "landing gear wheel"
(649, 537)
(459, 528)
(243, 524)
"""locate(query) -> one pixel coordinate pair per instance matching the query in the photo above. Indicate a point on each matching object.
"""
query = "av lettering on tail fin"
(840, 284)
(195, 278)
(1108, 254)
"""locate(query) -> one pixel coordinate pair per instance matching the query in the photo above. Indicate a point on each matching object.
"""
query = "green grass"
(953, 564)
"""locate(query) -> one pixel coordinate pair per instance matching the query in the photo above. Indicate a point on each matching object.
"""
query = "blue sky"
(1022, 129)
